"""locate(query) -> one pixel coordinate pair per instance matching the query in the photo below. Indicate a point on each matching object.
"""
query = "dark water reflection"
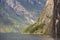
(18, 36)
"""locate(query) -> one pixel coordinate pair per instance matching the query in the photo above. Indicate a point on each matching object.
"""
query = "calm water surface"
(18, 36)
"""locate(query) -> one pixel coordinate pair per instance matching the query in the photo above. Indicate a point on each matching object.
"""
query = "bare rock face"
(45, 20)
(46, 17)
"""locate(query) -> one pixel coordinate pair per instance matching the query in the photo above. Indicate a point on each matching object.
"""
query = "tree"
(56, 16)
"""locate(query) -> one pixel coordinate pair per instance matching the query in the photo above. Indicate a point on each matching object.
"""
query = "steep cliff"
(44, 22)
(46, 17)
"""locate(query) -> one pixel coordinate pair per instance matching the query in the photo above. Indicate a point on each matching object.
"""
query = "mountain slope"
(25, 9)
(44, 21)
(17, 15)
(9, 21)
(6, 23)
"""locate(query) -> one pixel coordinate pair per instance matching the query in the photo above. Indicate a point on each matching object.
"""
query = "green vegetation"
(33, 28)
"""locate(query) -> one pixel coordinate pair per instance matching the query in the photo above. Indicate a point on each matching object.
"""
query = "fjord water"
(18, 36)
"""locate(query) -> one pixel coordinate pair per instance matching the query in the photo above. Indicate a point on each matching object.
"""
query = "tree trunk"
(56, 16)
(54, 19)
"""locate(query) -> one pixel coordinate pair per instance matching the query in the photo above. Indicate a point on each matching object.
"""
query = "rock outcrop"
(46, 17)
(45, 20)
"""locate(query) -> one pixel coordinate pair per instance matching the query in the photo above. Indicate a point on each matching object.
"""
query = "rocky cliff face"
(46, 16)
(44, 22)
